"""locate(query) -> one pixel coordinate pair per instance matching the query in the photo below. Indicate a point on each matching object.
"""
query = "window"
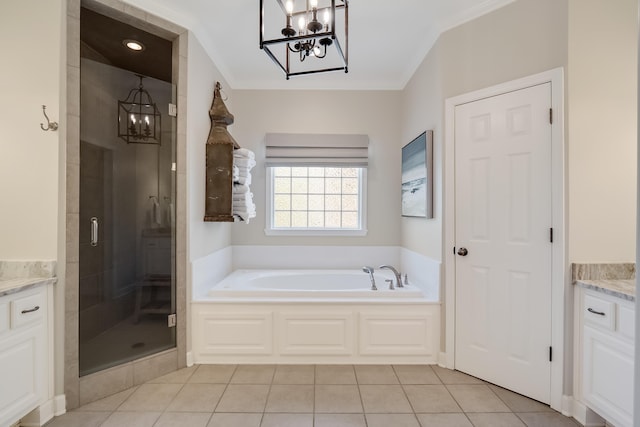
(316, 200)
(316, 184)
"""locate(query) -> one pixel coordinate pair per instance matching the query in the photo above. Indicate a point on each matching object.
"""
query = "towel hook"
(50, 125)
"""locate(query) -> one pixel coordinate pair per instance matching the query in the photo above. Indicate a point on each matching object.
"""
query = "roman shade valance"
(317, 150)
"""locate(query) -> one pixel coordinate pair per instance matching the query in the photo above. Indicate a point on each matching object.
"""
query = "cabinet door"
(21, 371)
(608, 376)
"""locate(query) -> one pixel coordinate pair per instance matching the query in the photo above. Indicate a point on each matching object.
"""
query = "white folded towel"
(236, 173)
(242, 162)
(244, 171)
(244, 198)
(243, 152)
(246, 179)
(240, 188)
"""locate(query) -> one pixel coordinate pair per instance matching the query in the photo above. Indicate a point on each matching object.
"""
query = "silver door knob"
(463, 251)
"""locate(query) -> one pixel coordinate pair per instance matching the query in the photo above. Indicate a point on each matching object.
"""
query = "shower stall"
(127, 271)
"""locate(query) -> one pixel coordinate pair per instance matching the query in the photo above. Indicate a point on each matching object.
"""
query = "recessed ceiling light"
(133, 44)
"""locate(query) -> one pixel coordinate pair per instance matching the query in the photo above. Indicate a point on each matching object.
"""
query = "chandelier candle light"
(139, 120)
(315, 35)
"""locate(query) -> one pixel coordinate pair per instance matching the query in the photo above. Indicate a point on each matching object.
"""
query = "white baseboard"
(567, 406)
(45, 412)
(59, 405)
(442, 359)
(189, 358)
(586, 416)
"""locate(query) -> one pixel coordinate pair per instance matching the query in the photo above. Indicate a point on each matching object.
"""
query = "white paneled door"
(503, 240)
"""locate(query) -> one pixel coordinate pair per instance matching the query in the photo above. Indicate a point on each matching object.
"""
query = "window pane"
(299, 219)
(282, 171)
(316, 219)
(332, 219)
(282, 202)
(299, 202)
(316, 185)
(350, 220)
(299, 171)
(332, 203)
(332, 186)
(298, 185)
(349, 203)
(316, 203)
(349, 186)
(350, 172)
(282, 185)
(282, 219)
(316, 172)
(333, 172)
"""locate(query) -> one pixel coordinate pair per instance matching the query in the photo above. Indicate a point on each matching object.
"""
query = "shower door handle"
(94, 231)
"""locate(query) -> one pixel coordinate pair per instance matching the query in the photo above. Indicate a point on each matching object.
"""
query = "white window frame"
(270, 230)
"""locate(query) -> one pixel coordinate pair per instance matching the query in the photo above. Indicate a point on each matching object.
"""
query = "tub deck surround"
(312, 284)
(423, 272)
(314, 316)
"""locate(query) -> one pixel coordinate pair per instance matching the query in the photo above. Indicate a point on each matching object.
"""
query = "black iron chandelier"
(310, 30)
(139, 120)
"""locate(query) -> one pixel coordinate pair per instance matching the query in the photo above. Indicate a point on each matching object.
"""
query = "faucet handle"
(390, 282)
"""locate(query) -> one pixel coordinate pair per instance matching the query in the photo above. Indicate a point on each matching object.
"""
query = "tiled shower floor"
(315, 396)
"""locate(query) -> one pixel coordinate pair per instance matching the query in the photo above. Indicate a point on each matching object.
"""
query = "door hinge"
(551, 234)
(173, 110)
(171, 320)
(550, 353)
(551, 115)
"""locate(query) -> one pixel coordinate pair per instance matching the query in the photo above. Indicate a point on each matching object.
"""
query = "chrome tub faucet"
(395, 273)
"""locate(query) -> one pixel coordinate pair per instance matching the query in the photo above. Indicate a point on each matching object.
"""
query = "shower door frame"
(79, 391)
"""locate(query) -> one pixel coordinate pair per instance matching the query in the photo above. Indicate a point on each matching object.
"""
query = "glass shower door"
(127, 225)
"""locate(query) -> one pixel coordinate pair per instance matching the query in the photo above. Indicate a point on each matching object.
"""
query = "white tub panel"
(234, 333)
(319, 333)
(316, 333)
(397, 334)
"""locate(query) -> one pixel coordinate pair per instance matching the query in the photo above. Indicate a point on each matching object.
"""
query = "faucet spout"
(369, 271)
(395, 273)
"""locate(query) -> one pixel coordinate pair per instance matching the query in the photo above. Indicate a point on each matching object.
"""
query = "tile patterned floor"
(315, 396)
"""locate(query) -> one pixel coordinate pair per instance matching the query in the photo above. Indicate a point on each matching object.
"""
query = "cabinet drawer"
(27, 310)
(599, 312)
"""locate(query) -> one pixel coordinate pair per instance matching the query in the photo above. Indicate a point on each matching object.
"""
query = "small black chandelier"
(314, 34)
(139, 120)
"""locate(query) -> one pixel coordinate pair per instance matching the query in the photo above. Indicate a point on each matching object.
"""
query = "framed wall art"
(417, 177)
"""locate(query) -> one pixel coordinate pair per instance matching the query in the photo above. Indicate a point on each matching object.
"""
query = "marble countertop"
(625, 289)
(10, 286)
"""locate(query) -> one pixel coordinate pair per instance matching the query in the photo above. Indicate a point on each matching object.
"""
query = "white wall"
(204, 238)
(523, 38)
(374, 113)
(31, 40)
(602, 83)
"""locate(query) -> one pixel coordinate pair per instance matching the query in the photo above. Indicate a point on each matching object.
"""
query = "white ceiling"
(387, 39)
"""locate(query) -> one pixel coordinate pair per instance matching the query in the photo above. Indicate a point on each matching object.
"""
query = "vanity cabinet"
(607, 356)
(23, 352)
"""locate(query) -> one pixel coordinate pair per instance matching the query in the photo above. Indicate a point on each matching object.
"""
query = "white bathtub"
(311, 284)
(313, 316)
